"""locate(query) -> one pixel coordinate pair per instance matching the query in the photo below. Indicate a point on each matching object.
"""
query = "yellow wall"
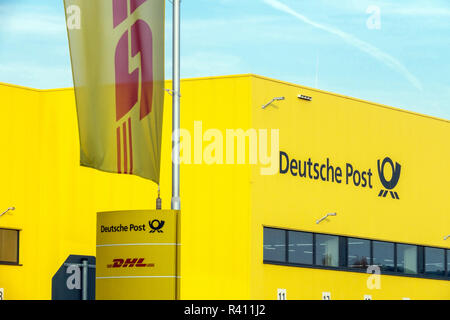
(349, 130)
(224, 207)
(308, 284)
(215, 206)
(56, 200)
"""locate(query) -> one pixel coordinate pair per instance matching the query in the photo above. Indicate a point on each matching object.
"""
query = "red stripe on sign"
(131, 145)
(119, 155)
(127, 84)
(142, 42)
(120, 11)
(134, 4)
(125, 149)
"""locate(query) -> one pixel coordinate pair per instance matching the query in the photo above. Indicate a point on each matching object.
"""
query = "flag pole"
(175, 203)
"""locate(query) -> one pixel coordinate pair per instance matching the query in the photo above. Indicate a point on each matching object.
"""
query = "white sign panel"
(326, 296)
(281, 294)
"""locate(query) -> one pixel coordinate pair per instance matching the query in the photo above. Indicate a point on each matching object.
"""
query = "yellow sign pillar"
(138, 255)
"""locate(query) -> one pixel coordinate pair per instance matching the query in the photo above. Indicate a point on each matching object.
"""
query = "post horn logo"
(389, 185)
(156, 225)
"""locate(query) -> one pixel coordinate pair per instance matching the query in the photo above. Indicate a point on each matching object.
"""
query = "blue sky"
(398, 58)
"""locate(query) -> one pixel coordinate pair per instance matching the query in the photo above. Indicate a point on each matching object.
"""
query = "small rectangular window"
(383, 255)
(407, 259)
(300, 247)
(327, 250)
(358, 253)
(434, 261)
(274, 245)
(448, 262)
(9, 246)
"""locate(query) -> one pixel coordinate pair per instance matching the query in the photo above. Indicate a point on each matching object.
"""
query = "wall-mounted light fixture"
(307, 98)
(171, 92)
(328, 215)
(271, 101)
(9, 209)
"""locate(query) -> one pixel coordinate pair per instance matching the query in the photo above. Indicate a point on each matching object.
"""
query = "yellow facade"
(348, 130)
(225, 206)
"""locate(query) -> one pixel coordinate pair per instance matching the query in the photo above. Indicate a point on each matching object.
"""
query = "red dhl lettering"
(130, 263)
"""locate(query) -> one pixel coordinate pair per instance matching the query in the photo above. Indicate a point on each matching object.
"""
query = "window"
(383, 255)
(434, 261)
(274, 245)
(9, 246)
(358, 253)
(327, 250)
(448, 262)
(407, 259)
(308, 249)
(300, 249)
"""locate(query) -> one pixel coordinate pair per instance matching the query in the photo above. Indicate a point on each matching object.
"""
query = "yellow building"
(354, 188)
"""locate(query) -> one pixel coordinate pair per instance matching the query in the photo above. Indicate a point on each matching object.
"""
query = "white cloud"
(245, 29)
(352, 40)
(30, 20)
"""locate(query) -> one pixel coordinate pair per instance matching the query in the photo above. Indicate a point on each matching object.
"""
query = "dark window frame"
(286, 245)
(287, 248)
(15, 263)
(370, 252)
(394, 255)
(447, 263)
(343, 250)
(419, 272)
(445, 271)
(338, 255)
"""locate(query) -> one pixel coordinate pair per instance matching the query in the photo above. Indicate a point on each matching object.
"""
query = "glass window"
(406, 259)
(327, 250)
(448, 262)
(434, 261)
(383, 255)
(274, 245)
(9, 244)
(358, 253)
(300, 247)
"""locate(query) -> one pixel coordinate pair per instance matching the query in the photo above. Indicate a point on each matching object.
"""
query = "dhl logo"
(130, 263)
(128, 84)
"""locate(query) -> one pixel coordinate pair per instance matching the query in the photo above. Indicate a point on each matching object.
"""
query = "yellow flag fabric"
(117, 54)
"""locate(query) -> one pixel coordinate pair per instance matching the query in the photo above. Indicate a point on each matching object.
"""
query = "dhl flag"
(117, 54)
